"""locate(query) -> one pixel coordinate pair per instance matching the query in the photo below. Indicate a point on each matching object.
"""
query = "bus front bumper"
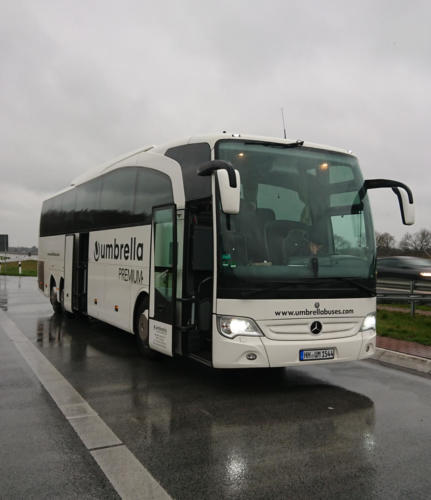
(261, 352)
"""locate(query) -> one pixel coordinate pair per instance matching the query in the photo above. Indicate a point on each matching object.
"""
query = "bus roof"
(211, 139)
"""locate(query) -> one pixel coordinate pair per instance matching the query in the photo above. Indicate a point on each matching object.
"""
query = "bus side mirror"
(229, 183)
(403, 193)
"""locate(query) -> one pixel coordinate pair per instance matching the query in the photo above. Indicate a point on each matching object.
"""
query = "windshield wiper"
(295, 144)
(355, 283)
(289, 285)
(278, 286)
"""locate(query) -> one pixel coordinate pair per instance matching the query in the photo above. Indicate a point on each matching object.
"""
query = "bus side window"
(68, 211)
(190, 156)
(45, 229)
(153, 189)
(52, 220)
(87, 204)
(116, 199)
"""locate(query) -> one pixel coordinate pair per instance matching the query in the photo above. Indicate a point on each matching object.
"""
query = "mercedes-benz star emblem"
(316, 327)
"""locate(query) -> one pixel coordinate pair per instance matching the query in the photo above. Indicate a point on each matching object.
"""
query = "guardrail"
(412, 292)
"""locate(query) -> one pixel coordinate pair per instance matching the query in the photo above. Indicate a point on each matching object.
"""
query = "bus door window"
(164, 264)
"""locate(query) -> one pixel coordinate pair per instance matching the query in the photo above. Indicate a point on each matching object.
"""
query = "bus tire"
(63, 310)
(54, 301)
(142, 331)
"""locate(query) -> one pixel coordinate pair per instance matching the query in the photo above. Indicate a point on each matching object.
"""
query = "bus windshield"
(302, 219)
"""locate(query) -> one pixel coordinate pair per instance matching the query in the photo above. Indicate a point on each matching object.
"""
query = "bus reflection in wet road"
(220, 433)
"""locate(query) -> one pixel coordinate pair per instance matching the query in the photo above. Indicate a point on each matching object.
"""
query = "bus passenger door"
(80, 273)
(68, 272)
(163, 279)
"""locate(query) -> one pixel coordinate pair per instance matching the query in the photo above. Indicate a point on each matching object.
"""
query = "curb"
(422, 365)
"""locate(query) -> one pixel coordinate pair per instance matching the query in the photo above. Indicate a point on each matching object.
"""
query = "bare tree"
(418, 243)
(406, 243)
(385, 243)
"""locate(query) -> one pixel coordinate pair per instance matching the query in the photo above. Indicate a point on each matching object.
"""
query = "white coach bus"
(237, 251)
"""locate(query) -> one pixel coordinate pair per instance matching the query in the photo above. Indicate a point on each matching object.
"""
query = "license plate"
(315, 354)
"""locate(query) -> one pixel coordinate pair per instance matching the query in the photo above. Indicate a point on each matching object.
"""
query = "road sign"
(4, 243)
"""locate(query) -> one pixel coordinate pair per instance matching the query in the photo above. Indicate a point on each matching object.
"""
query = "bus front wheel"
(142, 330)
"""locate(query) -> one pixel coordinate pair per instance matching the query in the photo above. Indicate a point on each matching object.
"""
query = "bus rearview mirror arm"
(404, 195)
(228, 182)
(211, 166)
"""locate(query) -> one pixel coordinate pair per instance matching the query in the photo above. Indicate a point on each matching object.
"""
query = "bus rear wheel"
(142, 330)
(54, 300)
(63, 309)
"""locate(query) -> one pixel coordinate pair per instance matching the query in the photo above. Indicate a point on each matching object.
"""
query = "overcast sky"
(84, 82)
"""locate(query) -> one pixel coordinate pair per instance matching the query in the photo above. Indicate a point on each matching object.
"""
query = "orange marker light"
(323, 167)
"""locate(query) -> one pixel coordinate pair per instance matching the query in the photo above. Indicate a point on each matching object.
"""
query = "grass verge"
(28, 267)
(404, 305)
(399, 325)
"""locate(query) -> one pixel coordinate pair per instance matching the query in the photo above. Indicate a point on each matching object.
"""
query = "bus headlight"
(369, 323)
(232, 327)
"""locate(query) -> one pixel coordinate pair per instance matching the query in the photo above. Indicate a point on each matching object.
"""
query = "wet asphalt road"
(359, 430)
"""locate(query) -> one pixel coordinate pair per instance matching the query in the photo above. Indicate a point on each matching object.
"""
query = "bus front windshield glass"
(302, 219)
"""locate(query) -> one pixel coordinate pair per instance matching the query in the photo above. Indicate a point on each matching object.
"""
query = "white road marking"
(126, 473)
(119, 462)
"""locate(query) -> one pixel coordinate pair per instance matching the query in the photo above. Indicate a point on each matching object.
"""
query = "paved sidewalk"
(404, 346)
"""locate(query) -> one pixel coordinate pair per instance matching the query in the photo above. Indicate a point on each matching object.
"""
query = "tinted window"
(284, 203)
(68, 209)
(190, 156)
(153, 188)
(44, 219)
(299, 206)
(122, 197)
(87, 204)
(87, 195)
(52, 220)
(117, 196)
